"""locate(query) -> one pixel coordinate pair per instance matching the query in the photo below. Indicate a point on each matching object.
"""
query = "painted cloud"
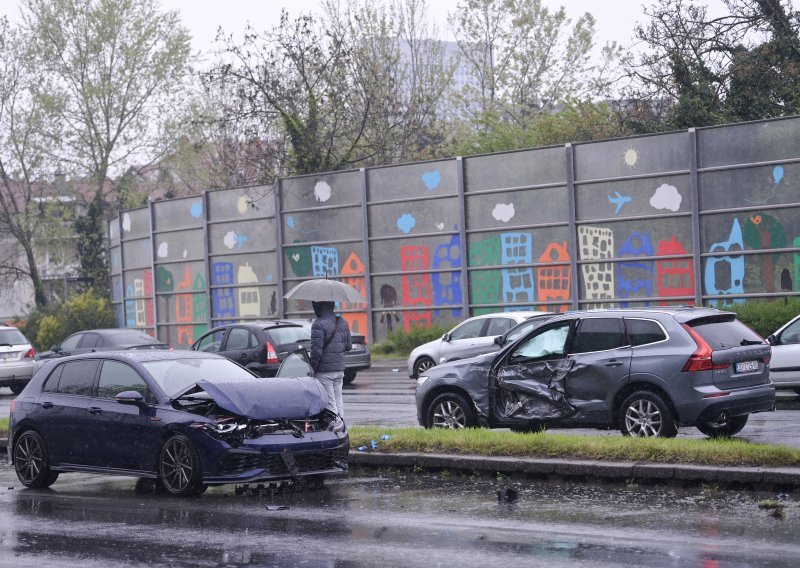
(406, 222)
(666, 197)
(163, 250)
(322, 191)
(503, 212)
(126, 223)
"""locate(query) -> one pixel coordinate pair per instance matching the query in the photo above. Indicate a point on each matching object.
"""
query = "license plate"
(746, 366)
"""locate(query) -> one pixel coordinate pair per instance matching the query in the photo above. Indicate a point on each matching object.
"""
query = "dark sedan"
(93, 340)
(188, 420)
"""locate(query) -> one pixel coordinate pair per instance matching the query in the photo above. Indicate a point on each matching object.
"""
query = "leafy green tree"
(48, 326)
(117, 70)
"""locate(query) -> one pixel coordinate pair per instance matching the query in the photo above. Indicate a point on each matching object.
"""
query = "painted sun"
(631, 157)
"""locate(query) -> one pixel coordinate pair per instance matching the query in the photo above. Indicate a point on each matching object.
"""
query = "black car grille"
(237, 463)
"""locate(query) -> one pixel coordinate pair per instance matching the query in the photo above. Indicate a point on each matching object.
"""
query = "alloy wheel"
(176, 465)
(449, 414)
(28, 458)
(643, 418)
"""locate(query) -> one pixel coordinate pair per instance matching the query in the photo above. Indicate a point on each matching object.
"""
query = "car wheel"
(422, 365)
(723, 428)
(530, 428)
(16, 389)
(349, 377)
(451, 410)
(30, 461)
(179, 467)
(645, 414)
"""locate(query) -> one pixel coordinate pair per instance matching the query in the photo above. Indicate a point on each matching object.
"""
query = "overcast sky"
(615, 19)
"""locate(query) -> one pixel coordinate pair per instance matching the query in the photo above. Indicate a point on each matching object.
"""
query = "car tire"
(179, 467)
(450, 410)
(723, 428)
(30, 461)
(531, 428)
(349, 377)
(645, 414)
(421, 365)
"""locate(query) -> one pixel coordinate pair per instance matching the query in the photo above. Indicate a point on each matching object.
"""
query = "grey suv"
(644, 371)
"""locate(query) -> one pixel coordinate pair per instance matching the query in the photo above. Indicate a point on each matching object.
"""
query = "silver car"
(471, 337)
(16, 359)
(784, 367)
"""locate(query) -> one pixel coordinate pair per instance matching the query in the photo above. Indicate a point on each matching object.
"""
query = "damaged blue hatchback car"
(185, 419)
(643, 371)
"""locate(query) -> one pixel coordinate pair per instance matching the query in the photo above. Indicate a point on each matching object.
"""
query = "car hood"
(268, 399)
(461, 367)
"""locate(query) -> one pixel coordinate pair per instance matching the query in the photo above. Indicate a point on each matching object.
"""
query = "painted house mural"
(434, 242)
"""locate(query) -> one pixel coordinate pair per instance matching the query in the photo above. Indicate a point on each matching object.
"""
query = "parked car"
(357, 359)
(16, 359)
(258, 346)
(112, 339)
(188, 420)
(643, 371)
(784, 367)
(471, 337)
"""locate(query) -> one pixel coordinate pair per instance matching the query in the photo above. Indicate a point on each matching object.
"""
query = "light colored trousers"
(332, 383)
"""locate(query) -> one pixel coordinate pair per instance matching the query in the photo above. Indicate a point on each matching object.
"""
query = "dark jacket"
(330, 358)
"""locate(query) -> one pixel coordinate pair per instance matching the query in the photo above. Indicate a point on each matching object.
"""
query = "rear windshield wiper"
(751, 342)
(6, 344)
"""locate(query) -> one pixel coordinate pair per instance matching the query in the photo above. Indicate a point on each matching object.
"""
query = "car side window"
(90, 340)
(78, 378)
(72, 341)
(792, 333)
(498, 326)
(210, 343)
(468, 329)
(550, 343)
(238, 338)
(51, 384)
(642, 332)
(599, 334)
(117, 377)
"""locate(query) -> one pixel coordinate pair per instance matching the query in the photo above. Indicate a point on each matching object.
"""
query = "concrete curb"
(786, 479)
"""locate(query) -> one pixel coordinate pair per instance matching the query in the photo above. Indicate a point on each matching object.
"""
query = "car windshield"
(176, 375)
(12, 337)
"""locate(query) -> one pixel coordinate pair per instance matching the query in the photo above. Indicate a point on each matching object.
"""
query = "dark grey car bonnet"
(268, 399)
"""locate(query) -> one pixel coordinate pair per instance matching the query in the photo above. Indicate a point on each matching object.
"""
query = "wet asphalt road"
(393, 520)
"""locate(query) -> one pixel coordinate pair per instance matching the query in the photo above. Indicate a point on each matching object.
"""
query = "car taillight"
(700, 360)
(272, 355)
(30, 353)
(13, 405)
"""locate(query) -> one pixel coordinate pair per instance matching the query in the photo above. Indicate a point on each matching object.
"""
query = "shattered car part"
(534, 391)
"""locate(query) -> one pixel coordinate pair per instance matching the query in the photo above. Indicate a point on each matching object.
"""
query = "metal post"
(573, 225)
(695, 205)
(152, 213)
(462, 234)
(206, 248)
(277, 188)
(366, 260)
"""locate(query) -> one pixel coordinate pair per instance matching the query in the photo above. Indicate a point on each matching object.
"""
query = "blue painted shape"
(447, 285)
(432, 179)
(777, 174)
(269, 277)
(406, 222)
(635, 277)
(290, 222)
(240, 240)
(324, 261)
(197, 209)
(619, 201)
(518, 284)
(223, 300)
(734, 265)
(130, 307)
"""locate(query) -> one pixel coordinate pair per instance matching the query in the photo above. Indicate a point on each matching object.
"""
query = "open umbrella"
(324, 290)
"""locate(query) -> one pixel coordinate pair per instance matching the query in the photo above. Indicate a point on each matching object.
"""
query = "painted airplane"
(619, 200)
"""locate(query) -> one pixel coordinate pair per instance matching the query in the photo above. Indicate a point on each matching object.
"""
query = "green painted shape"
(299, 258)
(796, 243)
(165, 281)
(485, 286)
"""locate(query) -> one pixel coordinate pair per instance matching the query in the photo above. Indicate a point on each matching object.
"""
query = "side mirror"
(446, 337)
(54, 348)
(498, 340)
(130, 397)
(773, 340)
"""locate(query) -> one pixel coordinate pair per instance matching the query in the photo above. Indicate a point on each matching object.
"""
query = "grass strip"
(481, 441)
(3, 427)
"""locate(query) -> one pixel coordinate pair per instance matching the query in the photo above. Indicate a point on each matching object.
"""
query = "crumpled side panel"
(534, 391)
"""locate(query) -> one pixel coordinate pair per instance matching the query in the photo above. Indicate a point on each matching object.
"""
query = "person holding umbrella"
(330, 334)
(330, 338)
